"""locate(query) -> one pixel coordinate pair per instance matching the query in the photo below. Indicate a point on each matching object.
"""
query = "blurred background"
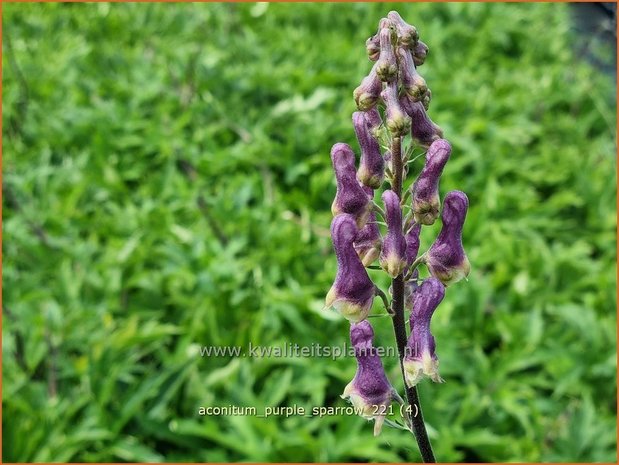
(167, 185)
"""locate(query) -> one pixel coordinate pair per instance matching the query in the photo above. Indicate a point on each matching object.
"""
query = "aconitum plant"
(392, 102)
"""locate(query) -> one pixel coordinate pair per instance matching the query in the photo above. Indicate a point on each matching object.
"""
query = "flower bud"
(370, 391)
(374, 122)
(410, 291)
(420, 359)
(368, 241)
(407, 34)
(425, 101)
(398, 121)
(349, 197)
(446, 258)
(423, 129)
(412, 243)
(420, 51)
(412, 249)
(372, 46)
(386, 66)
(426, 200)
(367, 94)
(393, 254)
(372, 165)
(414, 85)
(353, 291)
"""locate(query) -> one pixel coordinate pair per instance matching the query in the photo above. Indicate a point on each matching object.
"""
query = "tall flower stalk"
(392, 102)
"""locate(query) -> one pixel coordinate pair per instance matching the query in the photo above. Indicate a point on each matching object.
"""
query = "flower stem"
(399, 324)
(383, 296)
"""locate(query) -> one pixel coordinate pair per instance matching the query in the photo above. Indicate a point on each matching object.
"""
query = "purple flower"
(398, 121)
(350, 197)
(407, 34)
(367, 94)
(411, 287)
(412, 243)
(412, 249)
(368, 241)
(446, 258)
(353, 291)
(413, 84)
(426, 200)
(374, 121)
(386, 66)
(425, 101)
(423, 129)
(420, 359)
(372, 165)
(420, 51)
(393, 254)
(372, 46)
(370, 391)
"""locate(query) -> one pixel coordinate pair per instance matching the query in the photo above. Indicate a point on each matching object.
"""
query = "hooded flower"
(397, 120)
(353, 291)
(425, 101)
(370, 391)
(412, 249)
(388, 158)
(420, 51)
(372, 165)
(368, 242)
(420, 358)
(446, 258)
(350, 197)
(386, 66)
(426, 200)
(423, 129)
(372, 47)
(374, 121)
(407, 34)
(393, 254)
(413, 84)
(412, 243)
(367, 94)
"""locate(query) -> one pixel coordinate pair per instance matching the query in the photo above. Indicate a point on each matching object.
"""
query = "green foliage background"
(118, 119)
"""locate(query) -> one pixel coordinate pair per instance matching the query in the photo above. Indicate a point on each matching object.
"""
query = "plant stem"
(399, 324)
(396, 158)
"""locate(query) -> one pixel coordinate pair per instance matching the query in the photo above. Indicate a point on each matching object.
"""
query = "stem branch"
(383, 296)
